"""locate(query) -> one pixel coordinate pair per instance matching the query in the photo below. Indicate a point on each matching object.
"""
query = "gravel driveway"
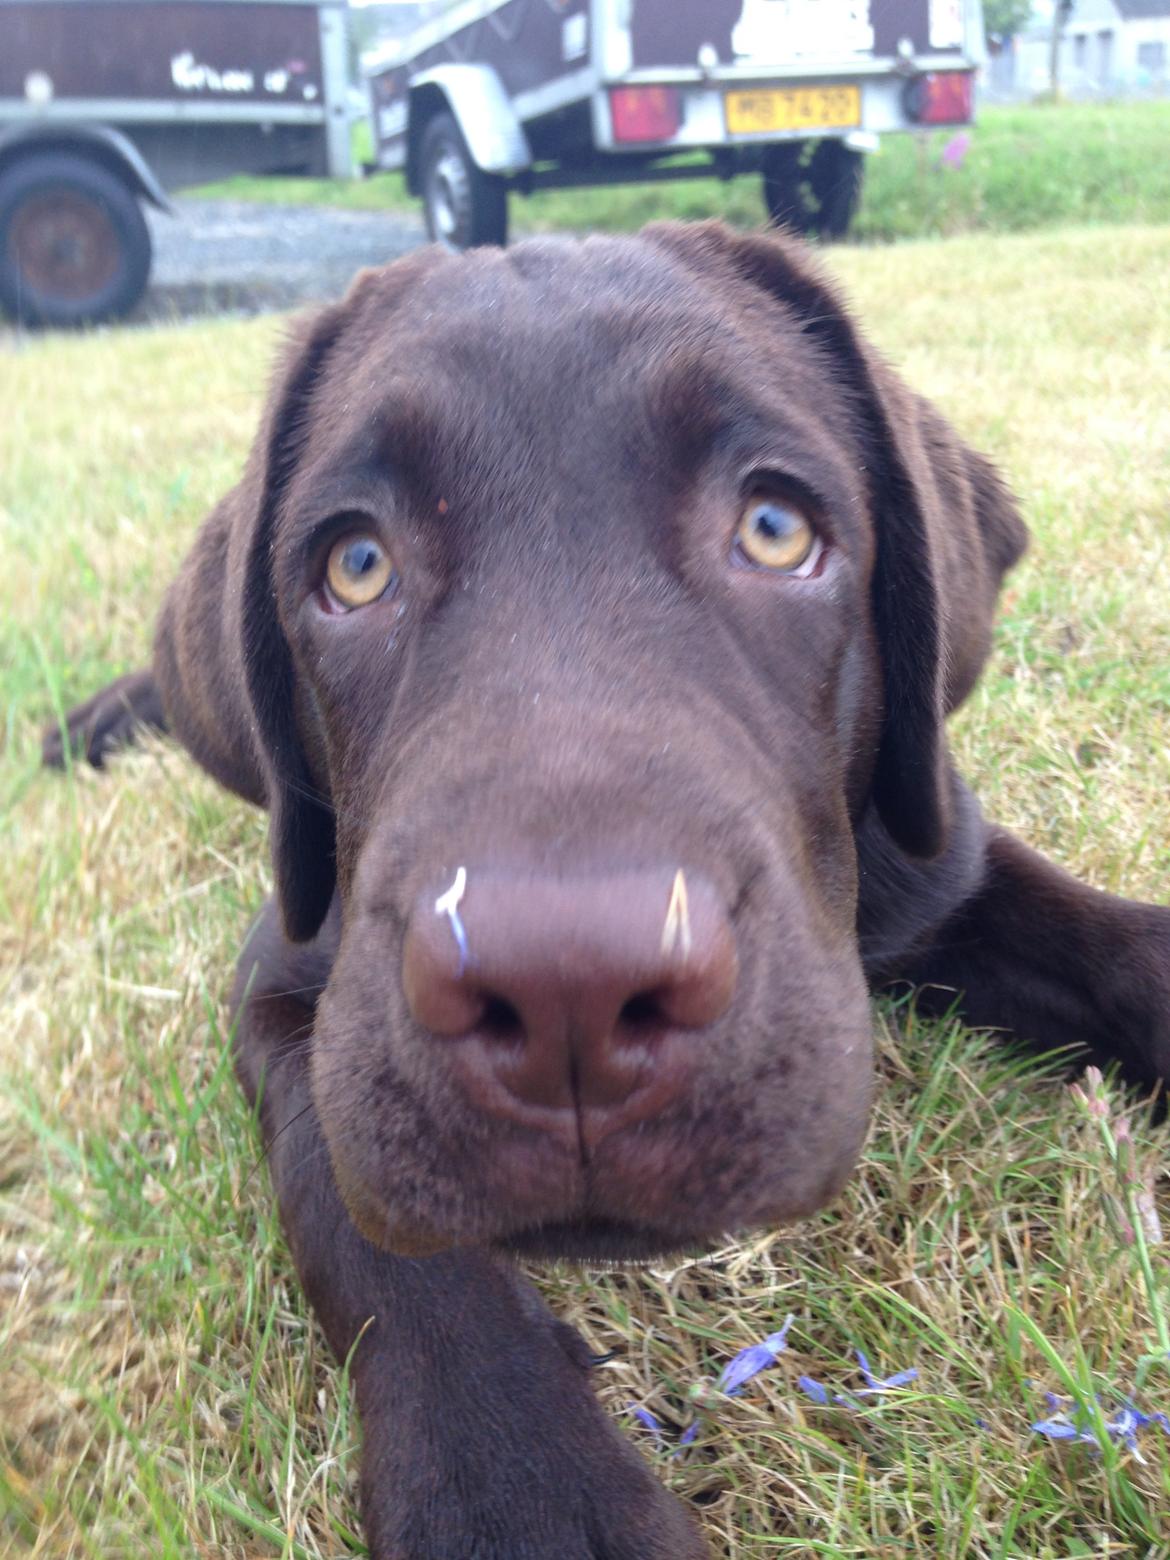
(242, 257)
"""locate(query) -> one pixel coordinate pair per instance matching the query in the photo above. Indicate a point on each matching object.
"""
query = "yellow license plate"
(762, 110)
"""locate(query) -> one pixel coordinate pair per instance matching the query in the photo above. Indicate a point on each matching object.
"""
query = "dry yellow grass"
(162, 1391)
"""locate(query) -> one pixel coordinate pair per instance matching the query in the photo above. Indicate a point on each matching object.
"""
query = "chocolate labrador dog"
(586, 619)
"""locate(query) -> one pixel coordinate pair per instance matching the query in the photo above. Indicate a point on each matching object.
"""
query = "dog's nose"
(571, 997)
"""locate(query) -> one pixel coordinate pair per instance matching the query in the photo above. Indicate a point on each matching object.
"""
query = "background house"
(1108, 47)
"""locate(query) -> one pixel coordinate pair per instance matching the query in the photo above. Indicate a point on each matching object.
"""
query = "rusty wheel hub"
(65, 244)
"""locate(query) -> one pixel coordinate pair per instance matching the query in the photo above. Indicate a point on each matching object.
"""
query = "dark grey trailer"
(105, 104)
(492, 96)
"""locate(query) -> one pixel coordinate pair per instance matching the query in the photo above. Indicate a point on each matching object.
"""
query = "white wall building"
(1109, 46)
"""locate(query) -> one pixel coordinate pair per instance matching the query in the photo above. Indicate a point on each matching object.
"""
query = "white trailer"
(105, 104)
(493, 96)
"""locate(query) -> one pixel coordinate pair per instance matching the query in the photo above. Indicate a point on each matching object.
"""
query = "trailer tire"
(814, 191)
(74, 246)
(784, 181)
(464, 206)
(835, 173)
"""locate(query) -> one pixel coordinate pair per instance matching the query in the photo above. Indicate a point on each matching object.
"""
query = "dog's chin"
(577, 1237)
(599, 1241)
(574, 1239)
(576, 1232)
(398, 1236)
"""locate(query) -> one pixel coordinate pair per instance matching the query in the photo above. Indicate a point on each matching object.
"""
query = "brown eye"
(359, 570)
(773, 535)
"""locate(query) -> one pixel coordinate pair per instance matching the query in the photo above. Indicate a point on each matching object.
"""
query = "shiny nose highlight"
(571, 995)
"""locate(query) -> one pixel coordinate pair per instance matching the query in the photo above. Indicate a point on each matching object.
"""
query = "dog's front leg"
(482, 1436)
(1034, 950)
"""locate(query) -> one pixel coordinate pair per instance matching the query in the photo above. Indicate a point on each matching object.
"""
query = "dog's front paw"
(532, 1514)
(106, 721)
(1130, 985)
(543, 1476)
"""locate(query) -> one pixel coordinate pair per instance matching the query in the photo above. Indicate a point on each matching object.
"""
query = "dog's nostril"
(574, 994)
(643, 1013)
(500, 1020)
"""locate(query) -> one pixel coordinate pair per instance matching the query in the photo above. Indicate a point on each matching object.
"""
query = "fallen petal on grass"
(647, 1420)
(751, 1361)
(1071, 1423)
(875, 1386)
(815, 1390)
(878, 1384)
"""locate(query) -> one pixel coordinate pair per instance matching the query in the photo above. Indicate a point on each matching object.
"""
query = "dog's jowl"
(587, 619)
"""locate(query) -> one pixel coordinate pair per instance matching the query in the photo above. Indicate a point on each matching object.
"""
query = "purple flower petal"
(900, 1378)
(880, 1383)
(954, 153)
(746, 1364)
(1056, 1429)
(689, 1434)
(1070, 1423)
(646, 1419)
(1125, 1425)
(813, 1389)
(751, 1361)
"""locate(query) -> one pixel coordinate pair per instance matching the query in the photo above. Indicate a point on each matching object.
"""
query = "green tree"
(1005, 18)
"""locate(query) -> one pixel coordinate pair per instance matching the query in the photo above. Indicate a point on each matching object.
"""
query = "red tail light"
(644, 113)
(943, 97)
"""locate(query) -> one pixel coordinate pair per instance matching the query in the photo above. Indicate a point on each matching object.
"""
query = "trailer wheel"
(74, 245)
(784, 186)
(464, 206)
(812, 194)
(835, 173)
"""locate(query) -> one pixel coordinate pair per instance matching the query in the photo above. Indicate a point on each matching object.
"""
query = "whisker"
(291, 1053)
(322, 1148)
(267, 1149)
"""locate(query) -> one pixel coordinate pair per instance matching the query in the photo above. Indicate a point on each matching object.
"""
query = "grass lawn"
(163, 1392)
(1028, 167)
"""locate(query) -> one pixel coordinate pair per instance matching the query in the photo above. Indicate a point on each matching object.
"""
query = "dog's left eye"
(358, 570)
(773, 535)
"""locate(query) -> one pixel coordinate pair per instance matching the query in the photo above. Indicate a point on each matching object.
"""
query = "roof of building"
(1133, 9)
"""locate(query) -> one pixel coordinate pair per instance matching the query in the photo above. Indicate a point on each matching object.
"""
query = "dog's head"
(593, 592)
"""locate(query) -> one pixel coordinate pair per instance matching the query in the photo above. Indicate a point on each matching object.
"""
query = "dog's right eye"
(358, 570)
(775, 535)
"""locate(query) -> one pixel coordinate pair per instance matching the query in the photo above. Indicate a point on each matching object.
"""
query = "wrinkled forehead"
(574, 363)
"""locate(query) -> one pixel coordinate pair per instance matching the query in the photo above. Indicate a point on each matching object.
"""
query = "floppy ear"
(302, 834)
(945, 529)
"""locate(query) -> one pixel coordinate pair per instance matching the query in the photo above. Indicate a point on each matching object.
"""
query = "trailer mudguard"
(483, 111)
(114, 150)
